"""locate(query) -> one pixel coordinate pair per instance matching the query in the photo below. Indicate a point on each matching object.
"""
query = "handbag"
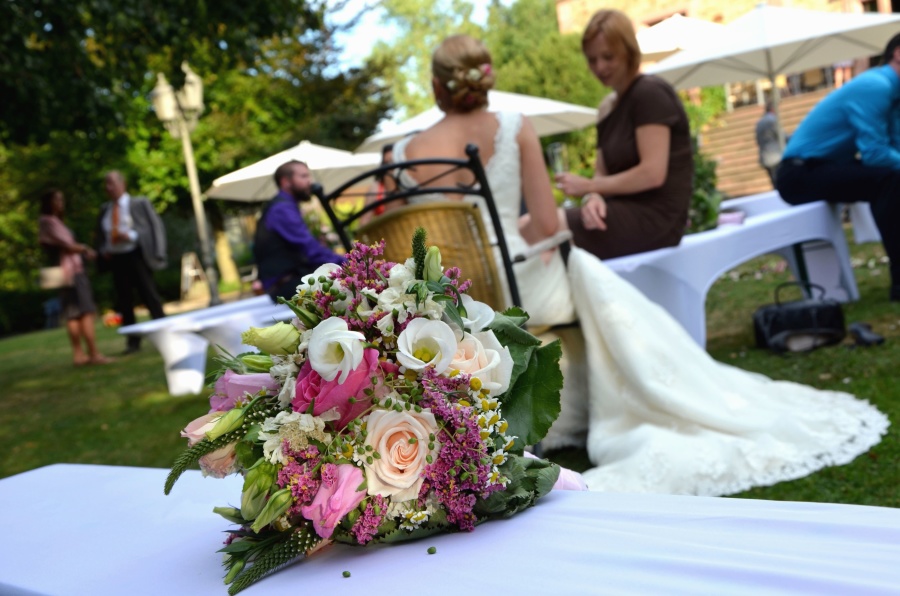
(52, 278)
(800, 325)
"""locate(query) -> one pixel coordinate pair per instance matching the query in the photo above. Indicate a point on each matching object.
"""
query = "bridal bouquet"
(393, 407)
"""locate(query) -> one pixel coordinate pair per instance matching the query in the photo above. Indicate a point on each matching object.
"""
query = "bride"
(662, 415)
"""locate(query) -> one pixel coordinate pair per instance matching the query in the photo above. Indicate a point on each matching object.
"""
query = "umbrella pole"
(776, 98)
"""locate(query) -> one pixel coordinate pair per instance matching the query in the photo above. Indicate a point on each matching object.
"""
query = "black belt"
(799, 161)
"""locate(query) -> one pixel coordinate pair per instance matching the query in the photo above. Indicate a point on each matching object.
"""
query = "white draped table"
(95, 530)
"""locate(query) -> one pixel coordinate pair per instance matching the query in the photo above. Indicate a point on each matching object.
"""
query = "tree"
(77, 64)
(287, 90)
(406, 59)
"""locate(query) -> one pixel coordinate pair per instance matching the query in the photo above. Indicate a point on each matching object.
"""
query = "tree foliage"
(77, 64)
(406, 57)
(263, 93)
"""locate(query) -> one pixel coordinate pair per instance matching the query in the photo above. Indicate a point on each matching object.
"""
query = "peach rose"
(482, 356)
(220, 463)
(196, 430)
(401, 439)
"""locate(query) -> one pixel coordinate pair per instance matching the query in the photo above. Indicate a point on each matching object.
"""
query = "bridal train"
(665, 417)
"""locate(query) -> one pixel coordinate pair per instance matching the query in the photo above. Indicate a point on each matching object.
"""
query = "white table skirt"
(75, 529)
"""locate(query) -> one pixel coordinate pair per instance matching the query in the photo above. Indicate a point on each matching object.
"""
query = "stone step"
(731, 141)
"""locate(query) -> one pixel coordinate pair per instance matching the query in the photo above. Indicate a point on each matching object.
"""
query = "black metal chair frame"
(479, 187)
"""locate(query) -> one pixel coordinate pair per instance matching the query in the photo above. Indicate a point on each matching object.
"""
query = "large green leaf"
(532, 403)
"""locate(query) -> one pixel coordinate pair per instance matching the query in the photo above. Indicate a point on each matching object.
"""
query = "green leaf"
(532, 402)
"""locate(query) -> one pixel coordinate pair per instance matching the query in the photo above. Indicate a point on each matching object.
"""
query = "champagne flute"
(558, 157)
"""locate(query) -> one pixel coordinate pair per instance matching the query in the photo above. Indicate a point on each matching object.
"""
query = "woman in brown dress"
(77, 299)
(639, 196)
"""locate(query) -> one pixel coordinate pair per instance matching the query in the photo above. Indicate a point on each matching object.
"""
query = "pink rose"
(231, 386)
(220, 463)
(335, 499)
(331, 394)
(196, 431)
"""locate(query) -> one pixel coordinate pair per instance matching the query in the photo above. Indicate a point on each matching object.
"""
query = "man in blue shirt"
(284, 249)
(848, 149)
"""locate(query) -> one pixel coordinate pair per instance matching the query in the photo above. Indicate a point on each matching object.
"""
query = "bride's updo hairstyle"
(462, 67)
(619, 32)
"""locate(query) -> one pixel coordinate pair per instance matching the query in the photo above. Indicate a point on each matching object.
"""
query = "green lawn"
(52, 412)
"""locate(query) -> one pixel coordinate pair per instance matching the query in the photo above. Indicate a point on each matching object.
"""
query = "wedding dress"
(662, 415)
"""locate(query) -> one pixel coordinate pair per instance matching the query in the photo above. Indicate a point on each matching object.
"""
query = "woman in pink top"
(77, 299)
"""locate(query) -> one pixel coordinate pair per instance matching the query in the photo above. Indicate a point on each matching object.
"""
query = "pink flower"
(331, 394)
(196, 430)
(220, 463)
(231, 386)
(334, 500)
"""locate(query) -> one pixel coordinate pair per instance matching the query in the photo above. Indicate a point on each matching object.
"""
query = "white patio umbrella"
(678, 32)
(773, 40)
(548, 117)
(329, 167)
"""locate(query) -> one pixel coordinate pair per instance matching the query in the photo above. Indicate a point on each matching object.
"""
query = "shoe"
(864, 336)
(130, 350)
(895, 293)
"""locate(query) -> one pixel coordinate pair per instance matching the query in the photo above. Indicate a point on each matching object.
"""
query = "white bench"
(183, 340)
(679, 278)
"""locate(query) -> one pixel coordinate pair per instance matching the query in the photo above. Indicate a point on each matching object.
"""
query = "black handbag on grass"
(799, 325)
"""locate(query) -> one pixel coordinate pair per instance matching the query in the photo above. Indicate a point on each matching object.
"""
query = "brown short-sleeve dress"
(653, 218)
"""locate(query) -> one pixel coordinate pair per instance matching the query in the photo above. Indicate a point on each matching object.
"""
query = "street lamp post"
(179, 112)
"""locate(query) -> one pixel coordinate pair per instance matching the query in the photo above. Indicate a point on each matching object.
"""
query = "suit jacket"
(150, 229)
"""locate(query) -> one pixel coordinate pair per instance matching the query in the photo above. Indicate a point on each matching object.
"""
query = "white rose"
(334, 349)
(425, 342)
(482, 356)
(401, 439)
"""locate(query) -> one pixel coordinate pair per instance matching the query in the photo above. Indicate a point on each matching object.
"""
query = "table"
(78, 529)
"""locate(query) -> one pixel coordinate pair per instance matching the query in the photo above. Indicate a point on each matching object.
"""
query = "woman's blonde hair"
(619, 32)
(462, 66)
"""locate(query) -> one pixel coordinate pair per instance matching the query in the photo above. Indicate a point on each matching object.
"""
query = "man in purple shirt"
(284, 249)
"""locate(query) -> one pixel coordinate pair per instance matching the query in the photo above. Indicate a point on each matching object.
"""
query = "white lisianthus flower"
(482, 356)
(399, 276)
(323, 271)
(334, 349)
(425, 342)
(386, 325)
(365, 308)
(478, 314)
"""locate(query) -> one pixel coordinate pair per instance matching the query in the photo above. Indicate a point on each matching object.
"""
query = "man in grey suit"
(131, 242)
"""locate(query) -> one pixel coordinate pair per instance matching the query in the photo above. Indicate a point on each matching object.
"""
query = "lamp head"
(163, 98)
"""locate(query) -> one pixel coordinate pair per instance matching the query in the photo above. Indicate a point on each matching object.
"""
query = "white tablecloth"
(74, 529)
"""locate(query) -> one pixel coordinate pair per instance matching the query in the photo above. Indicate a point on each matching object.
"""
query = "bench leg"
(184, 358)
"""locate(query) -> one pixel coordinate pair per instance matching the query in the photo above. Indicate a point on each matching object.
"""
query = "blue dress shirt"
(859, 120)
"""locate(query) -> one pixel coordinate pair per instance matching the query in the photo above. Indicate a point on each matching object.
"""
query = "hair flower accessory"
(400, 420)
(486, 69)
(474, 74)
(451, 85)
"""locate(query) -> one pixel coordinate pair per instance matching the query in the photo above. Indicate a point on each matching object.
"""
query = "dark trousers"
(804, 181)
(130, 274)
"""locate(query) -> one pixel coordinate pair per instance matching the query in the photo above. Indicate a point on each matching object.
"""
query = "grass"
(52, 412)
